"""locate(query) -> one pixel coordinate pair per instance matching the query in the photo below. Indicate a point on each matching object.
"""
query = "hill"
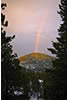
(36, 62)
(37, 56)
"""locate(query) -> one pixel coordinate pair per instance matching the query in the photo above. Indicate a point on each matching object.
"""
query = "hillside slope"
(37, 62)
(37, 56)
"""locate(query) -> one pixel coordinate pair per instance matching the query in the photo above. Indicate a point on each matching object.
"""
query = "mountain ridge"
(36, 56)
(36, 62)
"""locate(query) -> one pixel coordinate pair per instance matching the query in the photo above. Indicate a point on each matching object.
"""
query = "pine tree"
(10, 70)
(60, 47)
(59, 83)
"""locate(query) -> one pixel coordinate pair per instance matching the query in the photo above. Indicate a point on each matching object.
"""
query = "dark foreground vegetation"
(20, 85)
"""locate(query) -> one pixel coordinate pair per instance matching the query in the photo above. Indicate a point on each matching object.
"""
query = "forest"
(18, 83)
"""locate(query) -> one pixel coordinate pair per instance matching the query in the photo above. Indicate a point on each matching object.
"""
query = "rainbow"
(38, 35)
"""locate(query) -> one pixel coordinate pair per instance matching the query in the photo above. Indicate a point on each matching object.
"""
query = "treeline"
(17, 83)
(58, 88)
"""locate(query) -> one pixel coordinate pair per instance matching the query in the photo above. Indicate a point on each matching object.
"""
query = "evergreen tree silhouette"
(58, 90)
(10, 70)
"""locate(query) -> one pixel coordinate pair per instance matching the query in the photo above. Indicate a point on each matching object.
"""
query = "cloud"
(24, 17)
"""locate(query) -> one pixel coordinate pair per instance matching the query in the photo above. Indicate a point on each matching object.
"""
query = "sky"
(34, 24)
